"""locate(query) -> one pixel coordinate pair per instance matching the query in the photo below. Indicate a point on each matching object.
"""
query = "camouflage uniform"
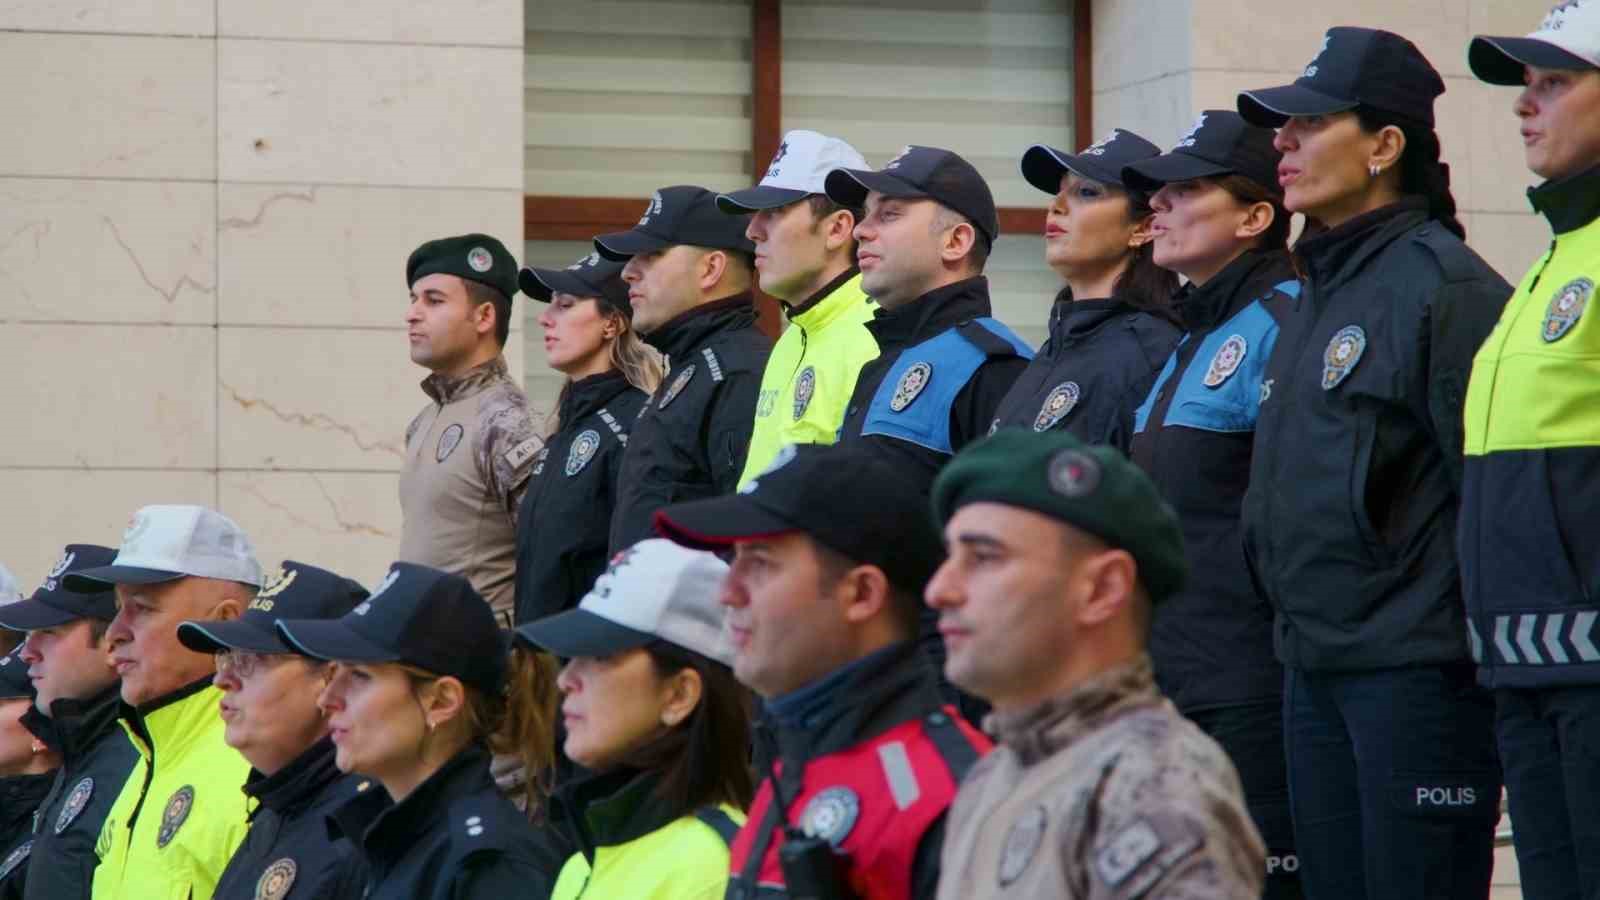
(468, 456)
(1104, 793)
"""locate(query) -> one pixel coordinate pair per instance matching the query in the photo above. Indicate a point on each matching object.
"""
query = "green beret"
(475, 257)
(1095, 489)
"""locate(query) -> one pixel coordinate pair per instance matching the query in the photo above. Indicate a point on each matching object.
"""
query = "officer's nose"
(547, 321)
(942, 591)
(118, 632)
(567, 679)
(414, 312)
(756, 231)
(30, 652)
(330, 699)
(732, 592)
(1524, 107)
(1161, 201)
(226, 681)
(632, 273)
(1284, 140)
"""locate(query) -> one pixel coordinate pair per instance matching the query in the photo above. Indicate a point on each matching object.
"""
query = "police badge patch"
(276, 881)
(76, 801)
(1074, 473)
(583, 448)
(1060, 401)
(911, 384)
(1565, 308)
(17, 857)
(176, 813)
(831, 814)
(804, 387)
(448, 442)
(1022, 842)
(1226, 362)
(678, 384)
(480, 259)
(1343, 352)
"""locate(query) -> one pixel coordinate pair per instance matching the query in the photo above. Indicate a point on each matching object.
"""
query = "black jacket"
(692, 435)
(565, 519)
(1350, 517)
(454, 838)
(20, 796)
(96, 757)
(288, 841)
(1211, 643)
(1096, 366)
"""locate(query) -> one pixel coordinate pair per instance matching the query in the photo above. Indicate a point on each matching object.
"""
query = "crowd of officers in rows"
(1261, 585)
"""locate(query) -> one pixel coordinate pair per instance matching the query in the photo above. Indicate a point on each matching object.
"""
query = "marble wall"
(205, 211)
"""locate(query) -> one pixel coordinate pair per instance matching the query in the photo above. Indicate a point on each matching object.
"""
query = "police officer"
(859, 756)
(269, 708)
(944, 363)
(1098, 788)
(1349, 520)
(180, 814)
(565, 519)
(689, 273)
(27, 769)
(1220, 223)
(1530, 556)
(75, 713)
(806, 257)
(1111, 325)
(470, 450)
(416, 690)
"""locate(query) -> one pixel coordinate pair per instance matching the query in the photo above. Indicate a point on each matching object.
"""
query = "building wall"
(205, 209)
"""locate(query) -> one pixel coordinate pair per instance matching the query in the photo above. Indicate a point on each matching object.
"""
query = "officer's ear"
(1256, 220)
(445, 699)
(680, 694)
(838, 230)
(712, 266)
(230, 605)
(1143, 233)
(866, 594)
(1109, 582)
(958, 242)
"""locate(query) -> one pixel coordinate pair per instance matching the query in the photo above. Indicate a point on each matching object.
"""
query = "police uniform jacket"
(873, 772)
(1103, 793)
(20, 796)
(942, 369)
(1530, 551)
(691, 439)
(1350, 517)
(181, 813)
(96, 757)
(287, 852)
(565, 520)
(453, 838)
(1096, 366)
(1193, 435)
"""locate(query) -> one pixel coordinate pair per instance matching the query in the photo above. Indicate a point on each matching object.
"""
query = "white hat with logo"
(1569, 38)
(798, 170)
(165, 543)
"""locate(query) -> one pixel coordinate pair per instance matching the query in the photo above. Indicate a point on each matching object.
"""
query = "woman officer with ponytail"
(1355, 482)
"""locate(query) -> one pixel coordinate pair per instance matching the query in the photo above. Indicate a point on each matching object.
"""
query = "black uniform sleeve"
(728, 425)
(977, 404)
(496, 876)
(1459, 320)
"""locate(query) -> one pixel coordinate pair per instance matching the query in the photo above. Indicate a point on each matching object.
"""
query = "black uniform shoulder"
(991, 344)
(1450, 257)
(734, 350)
(1156, 336)
(485, 823)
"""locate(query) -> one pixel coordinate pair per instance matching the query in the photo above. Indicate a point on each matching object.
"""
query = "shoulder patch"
(179, 805)
(804, 387)
(523, 452)
(1565, 308)
(1342, 354)
(615, 426)
(472, 831)
(1226, 361)
(911, 384)
(676, 388)
(448, 442)
(1021, 844)
(1061, 400)
(1129, 850)
(583, 450)
(276, 880)
(17, 858)
(76, 801)
(713, 365)
(831, 814)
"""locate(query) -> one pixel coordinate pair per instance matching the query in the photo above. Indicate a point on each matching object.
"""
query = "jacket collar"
(584, 396)
(611, 808)
(933, 312)
(688, 330)
(799, 312)
(174, 721)
(1241, 281)
(444, 389)
(1039, 732)
(1568, 204)
(1072, 319)
(75, 726)
(297, 785)
(1336, 255)
(387, 830)
(20, 796)
(881, 691)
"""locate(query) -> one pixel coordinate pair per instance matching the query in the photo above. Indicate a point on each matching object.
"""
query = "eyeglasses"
(242, 663)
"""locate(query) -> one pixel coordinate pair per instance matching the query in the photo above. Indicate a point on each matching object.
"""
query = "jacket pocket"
(1362, 452)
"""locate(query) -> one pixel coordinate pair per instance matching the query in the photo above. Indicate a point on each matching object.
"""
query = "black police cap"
(1043, 166)
(419, 616)
(475, 257)
(1222, 142)
(681, 214)
(54, 604)
(295, 591)
(591, 276)
(939, 175)
(1356, 67)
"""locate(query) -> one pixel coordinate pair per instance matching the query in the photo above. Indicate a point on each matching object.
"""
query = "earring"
(1374, 169)
(38, 746)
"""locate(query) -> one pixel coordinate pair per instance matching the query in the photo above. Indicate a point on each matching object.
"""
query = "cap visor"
(716, 522)
(90, 580)
(1502, 60)
(758, 198)
(212, 636)
(331, 639)
(620, 246)
(1150, 174)
(851, 186)
(543, 284)
(1043, 167)
(579, 632)
(1271, 107)
(32, 615)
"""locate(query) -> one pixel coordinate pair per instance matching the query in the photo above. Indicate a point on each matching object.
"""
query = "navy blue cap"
(14, 681)
(419, 616)
(591, 276)
(295, 591)
(938, 175)
(1043, 166)
(1356, 67)
(54, 603)
(681, 214)
(1222, 142)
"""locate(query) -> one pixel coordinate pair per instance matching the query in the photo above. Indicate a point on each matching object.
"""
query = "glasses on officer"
(242, 664)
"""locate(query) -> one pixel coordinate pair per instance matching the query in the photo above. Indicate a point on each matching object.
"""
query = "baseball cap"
(54, 603)
(165, 543)
(1096, 489)
(867, 499)
(799, 169)
(14, 681)
(654, 590)
(681, 214)
(939, 175)
(474, 257)
(1356, 67)
(1043, 166)
(591, 276)
(294, 591)
(1568, 38)
(419, 616)
(1221, 142)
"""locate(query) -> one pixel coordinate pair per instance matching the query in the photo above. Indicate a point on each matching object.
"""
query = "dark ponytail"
(1144, 285)
(1422, 173)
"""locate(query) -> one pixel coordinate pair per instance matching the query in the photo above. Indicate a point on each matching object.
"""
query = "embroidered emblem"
(277, 583)
(1126, 853)
(772, 167)
(911, 384)
(893, 164)
(1343, 352)
(654, 209)
(276, 881)
(60, 569)
(538, 460)
(1022, 842)
(388, 582)
(588, 262)
(474, 825)
(1266, 390)
(995, 425)
(804, 387)
(448, 442)
(676, 388)
(1074, 473)
(1311, 70)
(831, 814)
(480, 260)
(1099, 148)
(76, 801)
(523, 452)
(136, 528)
(1227, 361)
(176, 813)
(583, 448)
(17, 857)
(1565, 308)
(1188, 140)
(1057, 404)
(712, 364)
